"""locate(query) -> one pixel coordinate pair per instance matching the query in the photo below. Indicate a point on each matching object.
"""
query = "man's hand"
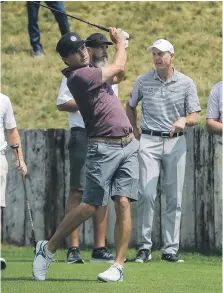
(178, 126)
(117, 36)
(21, 166)
(136, 133)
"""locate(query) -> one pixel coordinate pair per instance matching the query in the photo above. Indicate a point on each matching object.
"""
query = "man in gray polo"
(169, 104)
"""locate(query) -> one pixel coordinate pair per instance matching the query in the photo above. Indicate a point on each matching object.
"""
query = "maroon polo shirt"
(102, 112)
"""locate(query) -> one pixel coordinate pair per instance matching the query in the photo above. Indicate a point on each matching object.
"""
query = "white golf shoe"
(113, 274)
(41, 261)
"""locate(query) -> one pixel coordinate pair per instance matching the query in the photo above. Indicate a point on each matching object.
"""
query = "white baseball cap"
(162, 45)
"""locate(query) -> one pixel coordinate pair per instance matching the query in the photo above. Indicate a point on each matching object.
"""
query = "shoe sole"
(101, 260)
(142, 261)
(178, 261)
(80, 261)
(108, 281)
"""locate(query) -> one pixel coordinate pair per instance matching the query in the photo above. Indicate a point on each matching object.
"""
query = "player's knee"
(121, 203)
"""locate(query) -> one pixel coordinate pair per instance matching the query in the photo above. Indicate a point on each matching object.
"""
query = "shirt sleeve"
(9, 118)
(213, 104)
(87, 79)
(192, 101)
(115, 89)
(64, 94)
(136, 95)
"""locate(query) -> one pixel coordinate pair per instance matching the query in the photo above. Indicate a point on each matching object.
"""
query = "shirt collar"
(173, 77)
(68, 70)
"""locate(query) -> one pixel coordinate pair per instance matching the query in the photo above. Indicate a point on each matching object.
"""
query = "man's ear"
(89, 50)
(172, 55)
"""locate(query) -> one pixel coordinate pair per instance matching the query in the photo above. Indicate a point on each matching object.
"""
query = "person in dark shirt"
(112, 157)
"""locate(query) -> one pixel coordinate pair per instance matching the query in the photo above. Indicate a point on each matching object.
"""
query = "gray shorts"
(77, 153)
(111, 170)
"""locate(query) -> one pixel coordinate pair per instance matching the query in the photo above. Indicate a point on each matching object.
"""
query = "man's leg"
(3, 180)
(61, 18)
(45, 250)
(174, 162)
(33, 28)
(77, 155)
(124, 188)
(73, 253)
(149, 169)
(123, 227)
(100, 252)
(100, 226)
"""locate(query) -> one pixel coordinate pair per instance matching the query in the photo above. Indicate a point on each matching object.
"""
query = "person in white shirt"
(8, 135)
(214, 117)
(97, 46)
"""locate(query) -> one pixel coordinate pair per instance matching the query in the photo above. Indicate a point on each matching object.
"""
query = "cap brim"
(77, 46)
(157, 47)
(93, 44)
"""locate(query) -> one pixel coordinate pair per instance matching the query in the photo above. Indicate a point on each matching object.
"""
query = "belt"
(161, 133)
(78, 129)
(109, 140)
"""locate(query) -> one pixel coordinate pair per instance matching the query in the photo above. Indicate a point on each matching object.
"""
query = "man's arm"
(214, 126)
(212, 123)
(117, 68)
(65, 100)
(69, 106)
(192, 108)
(120, 76)
(192, 119)
(132, 115)
(13, 137)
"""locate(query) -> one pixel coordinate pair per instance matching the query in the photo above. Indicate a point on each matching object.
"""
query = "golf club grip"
(33, 238)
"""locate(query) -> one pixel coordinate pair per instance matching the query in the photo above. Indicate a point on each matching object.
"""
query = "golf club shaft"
(74, 17)
(33, 237)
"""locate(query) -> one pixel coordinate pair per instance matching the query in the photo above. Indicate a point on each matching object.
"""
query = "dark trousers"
(33, 28)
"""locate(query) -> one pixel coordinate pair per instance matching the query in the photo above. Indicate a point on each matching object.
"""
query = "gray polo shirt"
(215, 103)
(163, 103)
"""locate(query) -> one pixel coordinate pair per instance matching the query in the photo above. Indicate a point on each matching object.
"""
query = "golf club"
(74, 17)
(33, 237)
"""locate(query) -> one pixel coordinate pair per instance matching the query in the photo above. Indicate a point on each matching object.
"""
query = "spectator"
(214, 116)
(8, 126)
(169, 104)
(33, 28)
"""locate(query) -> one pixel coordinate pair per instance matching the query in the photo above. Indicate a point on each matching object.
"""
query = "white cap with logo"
(162, 45)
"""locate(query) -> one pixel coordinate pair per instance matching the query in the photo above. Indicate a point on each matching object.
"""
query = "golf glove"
(126, 39)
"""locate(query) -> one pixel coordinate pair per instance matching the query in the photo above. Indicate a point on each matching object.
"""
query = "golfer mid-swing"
(111, 162)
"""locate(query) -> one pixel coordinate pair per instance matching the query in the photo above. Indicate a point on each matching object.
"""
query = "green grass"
(199, 274)
(193, 27)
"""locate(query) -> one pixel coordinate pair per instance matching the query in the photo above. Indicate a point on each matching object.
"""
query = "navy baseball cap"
(69, 43)
(96, 40)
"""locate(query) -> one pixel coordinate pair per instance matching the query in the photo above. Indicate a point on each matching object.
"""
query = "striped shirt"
(163, 103)
(215, 103)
